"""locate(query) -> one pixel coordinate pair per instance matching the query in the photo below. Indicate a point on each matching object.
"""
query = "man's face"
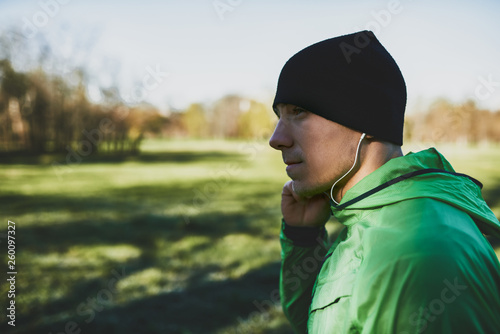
(317, 151)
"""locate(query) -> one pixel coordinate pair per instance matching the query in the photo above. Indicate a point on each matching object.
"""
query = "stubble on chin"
(306, 191)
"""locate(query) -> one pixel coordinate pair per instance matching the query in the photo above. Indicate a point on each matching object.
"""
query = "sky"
(173, 53)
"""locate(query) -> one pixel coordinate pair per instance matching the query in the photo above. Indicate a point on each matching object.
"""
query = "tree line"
(42, 112)
(45, 112)
(447, 122)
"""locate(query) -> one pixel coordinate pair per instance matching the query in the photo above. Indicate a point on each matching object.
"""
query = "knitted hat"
(351, 80)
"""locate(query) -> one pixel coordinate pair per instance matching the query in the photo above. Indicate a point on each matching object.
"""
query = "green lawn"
(182, 238)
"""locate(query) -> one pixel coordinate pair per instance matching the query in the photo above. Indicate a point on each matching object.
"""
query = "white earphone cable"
(354, 164)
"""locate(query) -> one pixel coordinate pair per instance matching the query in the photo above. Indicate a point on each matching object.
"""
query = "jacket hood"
(425, 174)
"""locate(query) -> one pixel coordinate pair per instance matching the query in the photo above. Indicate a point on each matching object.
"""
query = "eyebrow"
(277, 111)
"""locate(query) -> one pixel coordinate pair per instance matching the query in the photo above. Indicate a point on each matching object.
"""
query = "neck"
(373, 154)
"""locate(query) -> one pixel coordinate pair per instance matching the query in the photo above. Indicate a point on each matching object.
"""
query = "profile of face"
(317, 151)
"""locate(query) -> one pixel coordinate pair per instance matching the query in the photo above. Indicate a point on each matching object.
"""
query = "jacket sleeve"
(302, 253)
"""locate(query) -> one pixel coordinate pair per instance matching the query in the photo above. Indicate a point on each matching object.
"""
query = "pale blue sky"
(443, 49)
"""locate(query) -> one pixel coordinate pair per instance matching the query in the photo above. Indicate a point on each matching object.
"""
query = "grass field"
(182, 238)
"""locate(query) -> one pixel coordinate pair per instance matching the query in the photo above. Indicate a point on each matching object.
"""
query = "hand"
(304, 211)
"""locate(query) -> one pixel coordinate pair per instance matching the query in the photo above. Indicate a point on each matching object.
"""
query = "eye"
(299, 110)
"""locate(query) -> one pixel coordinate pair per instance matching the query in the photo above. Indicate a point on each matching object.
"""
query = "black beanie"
(351, 80)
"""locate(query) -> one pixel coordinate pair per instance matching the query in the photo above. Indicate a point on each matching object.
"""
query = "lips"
(291, 168)
(294, 163)
(291, 161)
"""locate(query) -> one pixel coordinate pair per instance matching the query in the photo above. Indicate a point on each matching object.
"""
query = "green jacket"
(411, 258)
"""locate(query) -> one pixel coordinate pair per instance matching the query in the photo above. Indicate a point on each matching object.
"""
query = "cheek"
(320, 162)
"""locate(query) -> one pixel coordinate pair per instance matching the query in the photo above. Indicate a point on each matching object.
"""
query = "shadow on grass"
(129, 216)
(203, 307)
(140, 231)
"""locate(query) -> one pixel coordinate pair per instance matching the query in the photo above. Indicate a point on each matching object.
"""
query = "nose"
(280, 138)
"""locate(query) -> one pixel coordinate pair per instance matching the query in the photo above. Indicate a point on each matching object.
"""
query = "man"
(412, 256)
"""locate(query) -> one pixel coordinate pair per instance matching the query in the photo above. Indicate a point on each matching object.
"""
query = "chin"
(307, 190)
